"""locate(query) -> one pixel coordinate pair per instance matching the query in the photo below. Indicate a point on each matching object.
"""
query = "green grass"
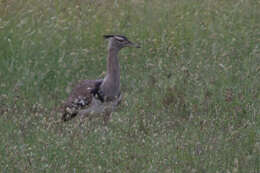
(191, 94)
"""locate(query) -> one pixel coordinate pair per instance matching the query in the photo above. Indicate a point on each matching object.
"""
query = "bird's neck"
(111, 84)
(113, 68)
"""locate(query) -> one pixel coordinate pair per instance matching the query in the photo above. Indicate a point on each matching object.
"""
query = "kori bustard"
(101, 95)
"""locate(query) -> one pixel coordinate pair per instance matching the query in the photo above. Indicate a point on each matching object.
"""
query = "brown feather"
(79, 98)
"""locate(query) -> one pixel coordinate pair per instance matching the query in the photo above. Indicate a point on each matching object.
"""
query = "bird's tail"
(68, 115)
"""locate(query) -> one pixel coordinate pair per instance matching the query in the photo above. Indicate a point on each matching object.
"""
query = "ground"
(191, 99)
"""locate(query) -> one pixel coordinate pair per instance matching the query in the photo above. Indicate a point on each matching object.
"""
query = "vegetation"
(191, 94)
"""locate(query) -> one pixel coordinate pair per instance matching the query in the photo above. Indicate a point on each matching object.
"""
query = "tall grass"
(191, 98)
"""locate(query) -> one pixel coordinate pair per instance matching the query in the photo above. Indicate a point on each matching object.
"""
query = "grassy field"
(191, 94)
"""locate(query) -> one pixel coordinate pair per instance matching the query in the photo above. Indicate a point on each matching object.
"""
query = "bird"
(100, 95)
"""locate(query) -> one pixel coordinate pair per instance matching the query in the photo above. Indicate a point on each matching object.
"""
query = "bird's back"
(80, 97)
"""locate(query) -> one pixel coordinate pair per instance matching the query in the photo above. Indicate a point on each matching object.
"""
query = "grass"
(191, 93)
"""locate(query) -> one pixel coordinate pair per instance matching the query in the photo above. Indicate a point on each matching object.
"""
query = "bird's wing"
(80, 97)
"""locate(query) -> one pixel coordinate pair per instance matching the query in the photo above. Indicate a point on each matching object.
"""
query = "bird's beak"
(130, 44)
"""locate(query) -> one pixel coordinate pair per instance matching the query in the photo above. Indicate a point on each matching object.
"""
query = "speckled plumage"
(80, 98)
(103, 95)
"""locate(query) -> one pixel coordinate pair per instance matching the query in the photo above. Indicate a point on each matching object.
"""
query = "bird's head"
(119, 42)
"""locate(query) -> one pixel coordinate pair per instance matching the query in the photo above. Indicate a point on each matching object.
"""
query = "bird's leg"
(84, 113)
(106, 117)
